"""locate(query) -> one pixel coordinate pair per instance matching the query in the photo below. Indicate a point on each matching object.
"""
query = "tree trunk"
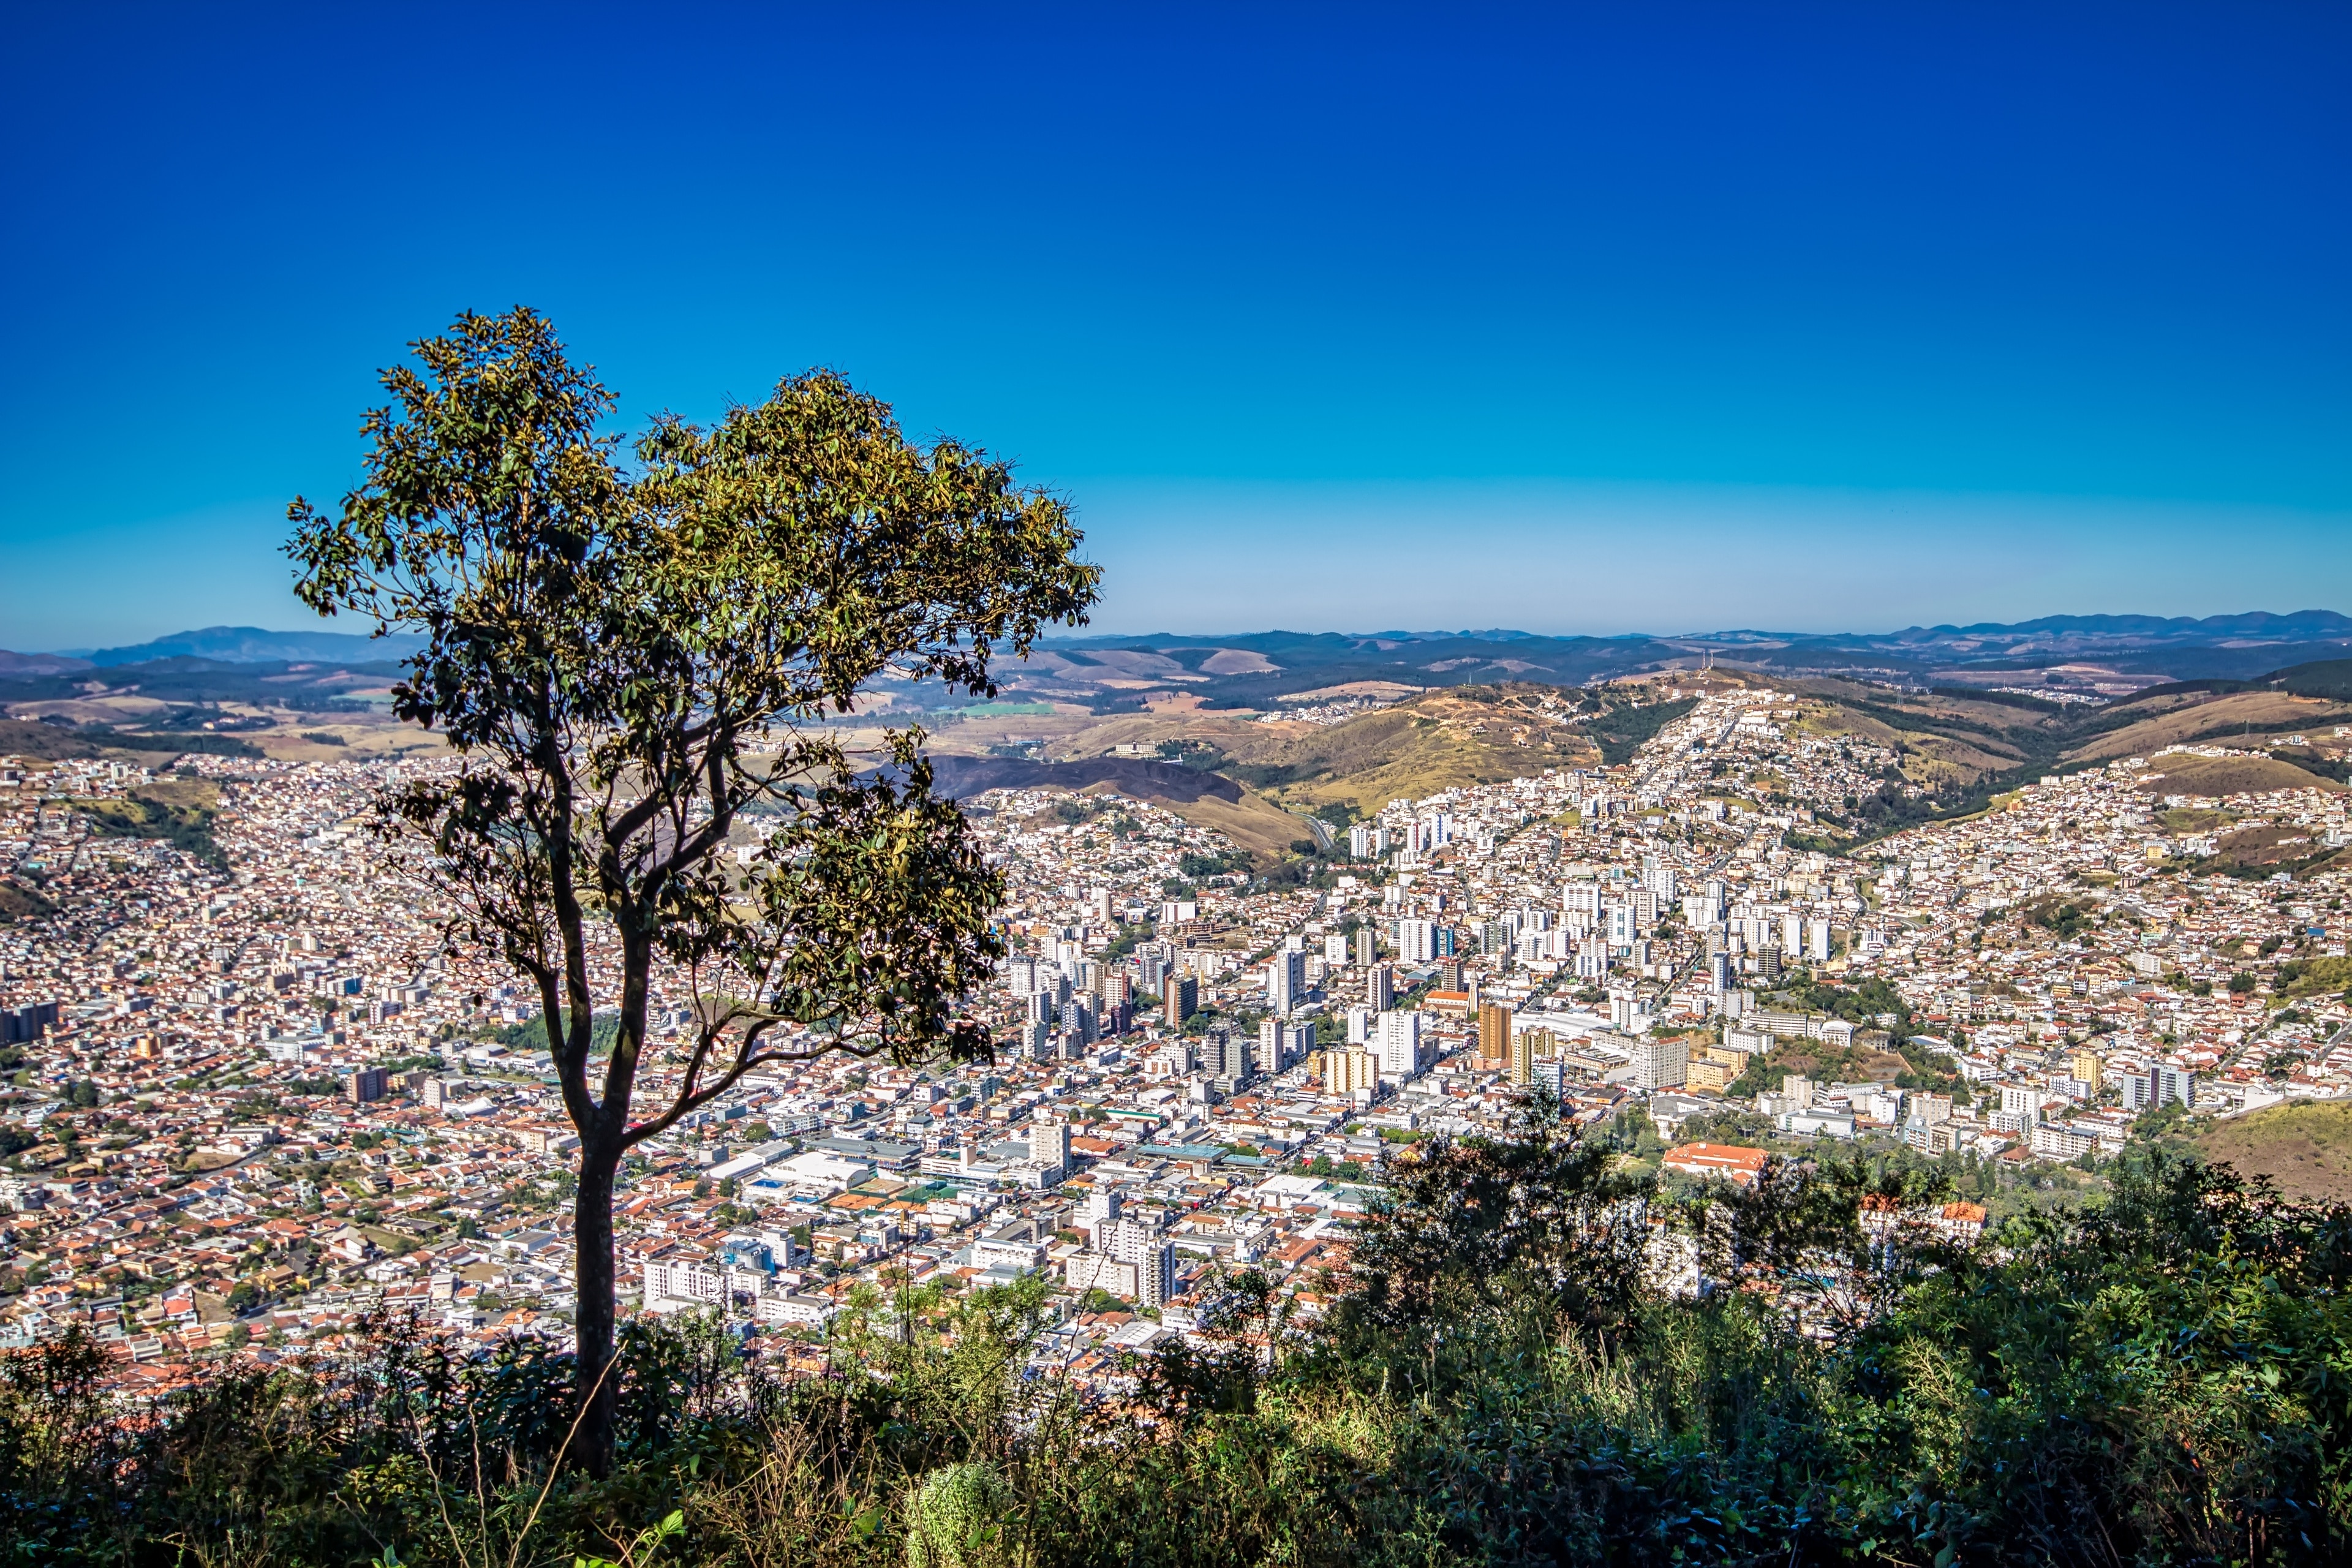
(595, 1386)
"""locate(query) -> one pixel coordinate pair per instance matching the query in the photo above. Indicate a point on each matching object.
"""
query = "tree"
(1483, 1228)
(629, 662)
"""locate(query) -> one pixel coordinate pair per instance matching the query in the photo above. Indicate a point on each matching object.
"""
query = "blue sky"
(1595, 318)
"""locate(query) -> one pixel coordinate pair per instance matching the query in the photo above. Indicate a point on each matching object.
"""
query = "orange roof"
(1716, 1157)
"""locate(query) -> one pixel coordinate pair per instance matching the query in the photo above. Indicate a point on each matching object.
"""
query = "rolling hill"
(251, 644)
(2306, 1149)
(2107, 653)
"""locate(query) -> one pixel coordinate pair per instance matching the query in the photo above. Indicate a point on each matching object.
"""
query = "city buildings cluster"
(255, 1096)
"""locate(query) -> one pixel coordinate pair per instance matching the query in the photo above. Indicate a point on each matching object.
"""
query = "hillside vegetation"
(2249, 719)
(2304, 1149)
(2188, 773)
(1956, 749)
(1494, 1380)
(1435, 742)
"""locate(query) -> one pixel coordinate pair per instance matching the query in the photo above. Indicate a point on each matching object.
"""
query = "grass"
(2306, 1149)
(2257, 714)
(49, 742)
(1436, 742)
(2187, 774)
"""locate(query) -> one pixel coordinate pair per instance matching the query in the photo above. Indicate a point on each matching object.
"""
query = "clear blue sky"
(1668, 317)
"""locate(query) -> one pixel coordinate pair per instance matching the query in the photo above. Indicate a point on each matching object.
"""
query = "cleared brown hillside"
(1438, 740)
(2306, 1149)
(2179, 722)
(1258, 825)
(1943, 740)
(2185, 773)
(26, 738)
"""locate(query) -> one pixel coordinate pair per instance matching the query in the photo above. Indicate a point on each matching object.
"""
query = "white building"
(1399, 1046)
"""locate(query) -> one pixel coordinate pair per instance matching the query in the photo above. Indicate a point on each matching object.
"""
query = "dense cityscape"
(255, 1096)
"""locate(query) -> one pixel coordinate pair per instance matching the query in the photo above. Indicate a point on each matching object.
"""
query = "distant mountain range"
(2097, 653)
(245, 645)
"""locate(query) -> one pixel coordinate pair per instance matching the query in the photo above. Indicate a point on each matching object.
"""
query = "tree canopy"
(632, 662)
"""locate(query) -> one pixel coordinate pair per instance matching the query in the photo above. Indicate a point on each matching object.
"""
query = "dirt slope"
(2305, 1148)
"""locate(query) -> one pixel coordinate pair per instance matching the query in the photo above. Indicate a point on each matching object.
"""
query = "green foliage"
(2156, 1379)
(1197, 867)
(956, 1518)
(186, 826)
(2062, 919)
(530, 1035)
(1622, 729)
(630, 662)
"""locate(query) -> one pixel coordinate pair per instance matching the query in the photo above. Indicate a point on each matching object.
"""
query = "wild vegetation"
(179, 811)
(2159, 1378)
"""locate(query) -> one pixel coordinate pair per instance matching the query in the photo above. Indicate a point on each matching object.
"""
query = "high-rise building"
(1095, 1214)
(1281, 1045)
(1380, 988)
(1227, 1057)
(1335, 951)
(1400, 1044)
(1495, 1031)
(1661, 1064)
(1367, 948)
(366, 1084)
(1345, 1072)
(1416, 940)
(1140, 1243)
(2088, 1069)
(2157, 1087)
(1286, 981)
(1049, 1144)
(1179, 998)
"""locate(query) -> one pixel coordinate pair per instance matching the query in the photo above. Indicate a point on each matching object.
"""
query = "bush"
(1500, 1378)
